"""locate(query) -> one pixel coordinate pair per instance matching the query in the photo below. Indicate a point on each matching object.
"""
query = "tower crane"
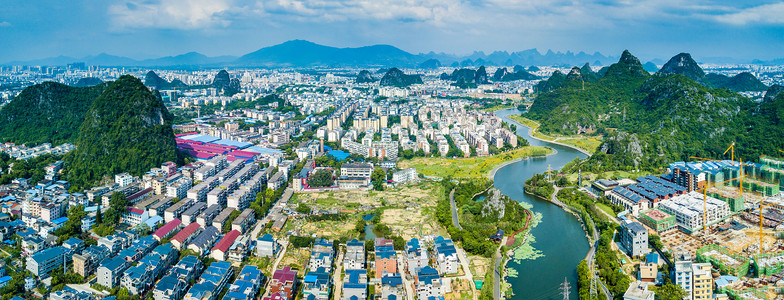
(705, 200)
(732, 153)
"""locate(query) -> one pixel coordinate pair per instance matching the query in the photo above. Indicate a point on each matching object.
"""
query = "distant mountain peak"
(683, 64)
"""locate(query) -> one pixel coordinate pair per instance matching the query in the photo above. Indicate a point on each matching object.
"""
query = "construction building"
(658, 220)
(723, 260)
(688, 210)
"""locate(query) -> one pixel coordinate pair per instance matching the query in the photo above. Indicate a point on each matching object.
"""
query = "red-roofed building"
(140, 195)
(219, 251)
(181, 239)
(283, 284)
(166, 230)
(134, 216)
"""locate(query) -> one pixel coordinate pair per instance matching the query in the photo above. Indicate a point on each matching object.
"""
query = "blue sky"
(153, 28)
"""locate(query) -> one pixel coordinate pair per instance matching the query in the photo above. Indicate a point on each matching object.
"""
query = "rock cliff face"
(151, 79)
(226, 85)
(396, 77)
(126, 129)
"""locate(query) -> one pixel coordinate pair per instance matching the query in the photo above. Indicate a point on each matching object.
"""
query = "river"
(558, 236)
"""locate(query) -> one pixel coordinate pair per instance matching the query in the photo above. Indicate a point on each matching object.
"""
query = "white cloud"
(170, 14)
(767, 13)
(5, 24)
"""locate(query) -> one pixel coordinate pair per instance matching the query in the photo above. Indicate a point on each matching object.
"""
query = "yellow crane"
(705, 200)
(732, 153)
(740, 175)
(762, 206)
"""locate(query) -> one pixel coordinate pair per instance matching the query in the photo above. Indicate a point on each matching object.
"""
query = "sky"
(143, 29)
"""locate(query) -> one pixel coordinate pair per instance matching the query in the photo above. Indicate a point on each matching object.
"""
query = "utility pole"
(565, 289)
(548, 173)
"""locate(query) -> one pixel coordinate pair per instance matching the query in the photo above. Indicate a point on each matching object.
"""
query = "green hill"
(651, 120)
(396, 77)
(48, 112)
(126, 129)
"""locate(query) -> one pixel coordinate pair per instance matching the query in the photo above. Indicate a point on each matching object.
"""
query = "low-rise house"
(247, 285)
(189, 216)
(166, 230)
(317, 285)
(446, 255)
(321, 256)
(386, 261)
(221, 249)
(211, 282)
(137, 279)
(283, 284)
(110, 271)
(392, 287)
(175, 283)
(355, 255)
(416, 256)
(428, 284)
(204, 240)
(266, 246)
(355, 284)
(43, 262)
(638, 290)
(222, 217)
(244, 221)
(185, 235)
(87, 262)
(206, 217)
(240, 249)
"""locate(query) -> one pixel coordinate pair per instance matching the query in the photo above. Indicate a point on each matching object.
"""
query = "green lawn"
(605, 208)
(468, 168)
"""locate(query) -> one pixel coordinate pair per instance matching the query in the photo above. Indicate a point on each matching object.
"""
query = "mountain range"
(300, 53)
(649, 120)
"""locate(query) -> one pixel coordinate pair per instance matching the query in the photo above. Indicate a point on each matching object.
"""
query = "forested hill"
(651, 120)
(47, 113)
(126, 129)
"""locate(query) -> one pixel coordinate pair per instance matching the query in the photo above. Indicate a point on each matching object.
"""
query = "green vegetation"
(378, 177)
(227, 225)
(468, 168)
(606, 260)
(303, 208)
(32, 168)
(669, 292)
(153, 80)
(127, 129)
(396, 77)
(478, 220)
(322, 178)
(47, 113)
(540, 186)
(650, 120)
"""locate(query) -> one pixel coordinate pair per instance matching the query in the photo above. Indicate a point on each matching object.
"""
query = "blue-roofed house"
(110, 271)
(137, 279)
(316, 285)
(44, 261)
(355, 255)
(247, 285)
(4, 280)
(355, 285)
(211, 282)
(392, 287)
(446, 255)
(74, 244)
(170, 287)
(634, 238)
(321, 256)
(428, 283)
(416, 256)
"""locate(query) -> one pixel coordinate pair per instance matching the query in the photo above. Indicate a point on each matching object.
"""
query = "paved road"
(281, 253)
(455, 220)
(336, 276)
(407, 284)
(497, 275)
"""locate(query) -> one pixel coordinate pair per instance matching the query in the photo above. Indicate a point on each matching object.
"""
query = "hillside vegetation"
(126, 129)
(649, 120)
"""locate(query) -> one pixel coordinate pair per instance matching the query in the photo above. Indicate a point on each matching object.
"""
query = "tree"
(322, 178)
(360, 225)
(98, 217)
(378, 178)
(669, 292)
(303, 208)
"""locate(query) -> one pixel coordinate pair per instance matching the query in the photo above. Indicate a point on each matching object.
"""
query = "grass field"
(608, 175)
(605, 208)
(468, 168)
(587, 143)
(498, 107)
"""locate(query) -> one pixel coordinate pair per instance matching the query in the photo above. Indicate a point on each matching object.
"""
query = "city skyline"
(156, 28)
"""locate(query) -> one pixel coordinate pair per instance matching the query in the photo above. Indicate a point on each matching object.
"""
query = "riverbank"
(470, 168)
(491, 175)
(533, 134)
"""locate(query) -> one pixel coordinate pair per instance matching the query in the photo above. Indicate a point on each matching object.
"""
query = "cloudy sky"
(153, 28)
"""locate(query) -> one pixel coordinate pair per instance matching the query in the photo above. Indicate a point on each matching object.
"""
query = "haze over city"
(147, 29)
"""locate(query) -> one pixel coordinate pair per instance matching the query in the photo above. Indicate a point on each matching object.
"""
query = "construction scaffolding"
(722, 259)
(769, 263)
(658, 220)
